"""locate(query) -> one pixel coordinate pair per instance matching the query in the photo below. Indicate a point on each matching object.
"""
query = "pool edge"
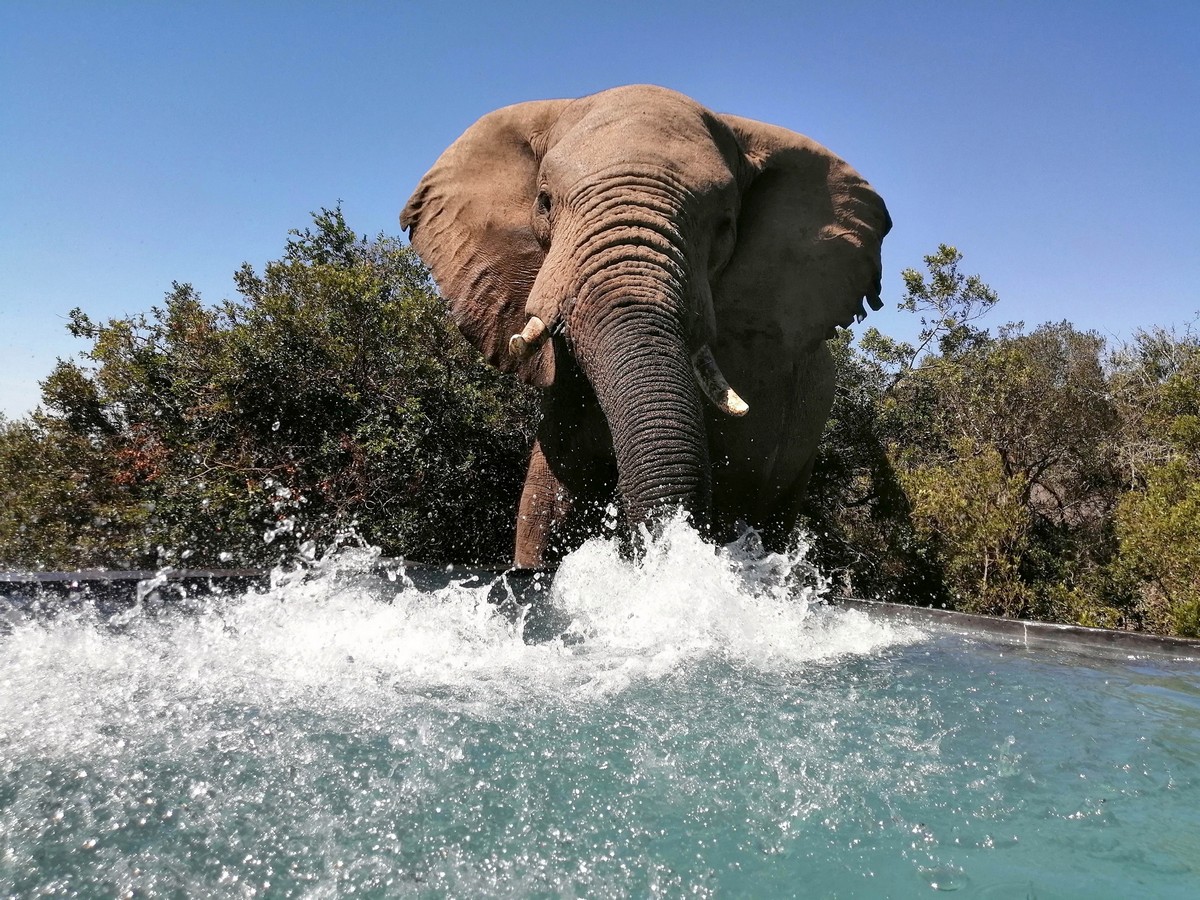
(1030, 633)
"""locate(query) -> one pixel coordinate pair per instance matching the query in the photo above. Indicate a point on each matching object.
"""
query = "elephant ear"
(469, 219)
(808, 239)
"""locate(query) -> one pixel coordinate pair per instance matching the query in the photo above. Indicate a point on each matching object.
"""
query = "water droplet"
(944, 877)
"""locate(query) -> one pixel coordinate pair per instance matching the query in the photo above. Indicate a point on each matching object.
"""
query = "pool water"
(693, 724)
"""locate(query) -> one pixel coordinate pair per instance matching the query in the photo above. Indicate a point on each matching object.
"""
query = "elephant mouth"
(708, 374)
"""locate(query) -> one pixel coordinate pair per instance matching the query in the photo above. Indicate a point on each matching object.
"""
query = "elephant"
(633, 254)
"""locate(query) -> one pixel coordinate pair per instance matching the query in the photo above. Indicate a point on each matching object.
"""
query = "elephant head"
(599, 247)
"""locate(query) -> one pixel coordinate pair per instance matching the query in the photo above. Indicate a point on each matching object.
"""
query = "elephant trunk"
(637, 362)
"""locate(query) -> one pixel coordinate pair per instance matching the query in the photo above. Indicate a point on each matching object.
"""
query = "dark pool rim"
(122, 587)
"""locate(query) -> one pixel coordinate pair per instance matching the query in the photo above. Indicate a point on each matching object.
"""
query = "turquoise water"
(704, 729)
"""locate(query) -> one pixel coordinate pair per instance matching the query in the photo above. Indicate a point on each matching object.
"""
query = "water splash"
(332, 635)
(685, 601)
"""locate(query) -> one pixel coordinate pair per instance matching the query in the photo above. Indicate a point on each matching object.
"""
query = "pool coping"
(1030, 633)
(113, 586)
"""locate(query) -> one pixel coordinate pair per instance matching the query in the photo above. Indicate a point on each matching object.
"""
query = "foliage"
(60, 495)
(888, 392)
(334, 394)
(970, 511)
(1017, 473)
(946, 304)
(856, 504)
(1157, 382)
(1027, 473)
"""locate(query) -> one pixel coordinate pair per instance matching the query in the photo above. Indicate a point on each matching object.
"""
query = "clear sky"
(1054, 143)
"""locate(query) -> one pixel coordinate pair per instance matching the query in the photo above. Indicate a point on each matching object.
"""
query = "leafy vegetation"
(1025, 472)
(1156, 382)
(333, 395)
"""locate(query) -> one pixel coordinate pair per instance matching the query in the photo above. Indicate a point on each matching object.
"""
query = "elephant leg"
(781, 521)
(546, 503)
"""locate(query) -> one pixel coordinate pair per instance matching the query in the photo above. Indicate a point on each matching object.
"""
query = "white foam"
(684, 601)
(327, 643)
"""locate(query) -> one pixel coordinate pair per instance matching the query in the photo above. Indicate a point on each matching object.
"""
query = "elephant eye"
(723, 245)
(541, 219)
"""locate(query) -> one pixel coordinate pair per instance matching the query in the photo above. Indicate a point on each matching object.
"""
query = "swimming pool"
(694, 724)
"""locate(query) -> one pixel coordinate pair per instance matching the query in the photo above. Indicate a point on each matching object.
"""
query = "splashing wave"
(325, 642)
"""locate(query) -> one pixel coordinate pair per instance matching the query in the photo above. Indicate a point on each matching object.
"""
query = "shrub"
(334, 394)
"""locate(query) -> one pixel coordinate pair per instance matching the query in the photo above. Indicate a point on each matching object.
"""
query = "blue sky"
(1055, 143)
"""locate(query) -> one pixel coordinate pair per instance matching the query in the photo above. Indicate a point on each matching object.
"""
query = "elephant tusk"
(714, 385)
(530, 338)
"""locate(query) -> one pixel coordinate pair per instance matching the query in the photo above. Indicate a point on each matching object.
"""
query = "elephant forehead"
(609, 142)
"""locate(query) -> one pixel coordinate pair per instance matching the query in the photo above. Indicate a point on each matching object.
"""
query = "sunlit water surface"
(702, 728)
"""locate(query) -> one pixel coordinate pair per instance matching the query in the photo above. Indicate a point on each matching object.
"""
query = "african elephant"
(612, 250)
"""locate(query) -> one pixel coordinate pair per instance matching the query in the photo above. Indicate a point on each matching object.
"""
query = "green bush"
(335, 394)
(1156, 379)
(973, 470)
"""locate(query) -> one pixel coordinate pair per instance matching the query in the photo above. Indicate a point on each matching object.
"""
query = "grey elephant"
(632, 254)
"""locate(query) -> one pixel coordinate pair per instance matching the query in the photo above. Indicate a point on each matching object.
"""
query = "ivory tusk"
(531, 336)
(714, 385)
